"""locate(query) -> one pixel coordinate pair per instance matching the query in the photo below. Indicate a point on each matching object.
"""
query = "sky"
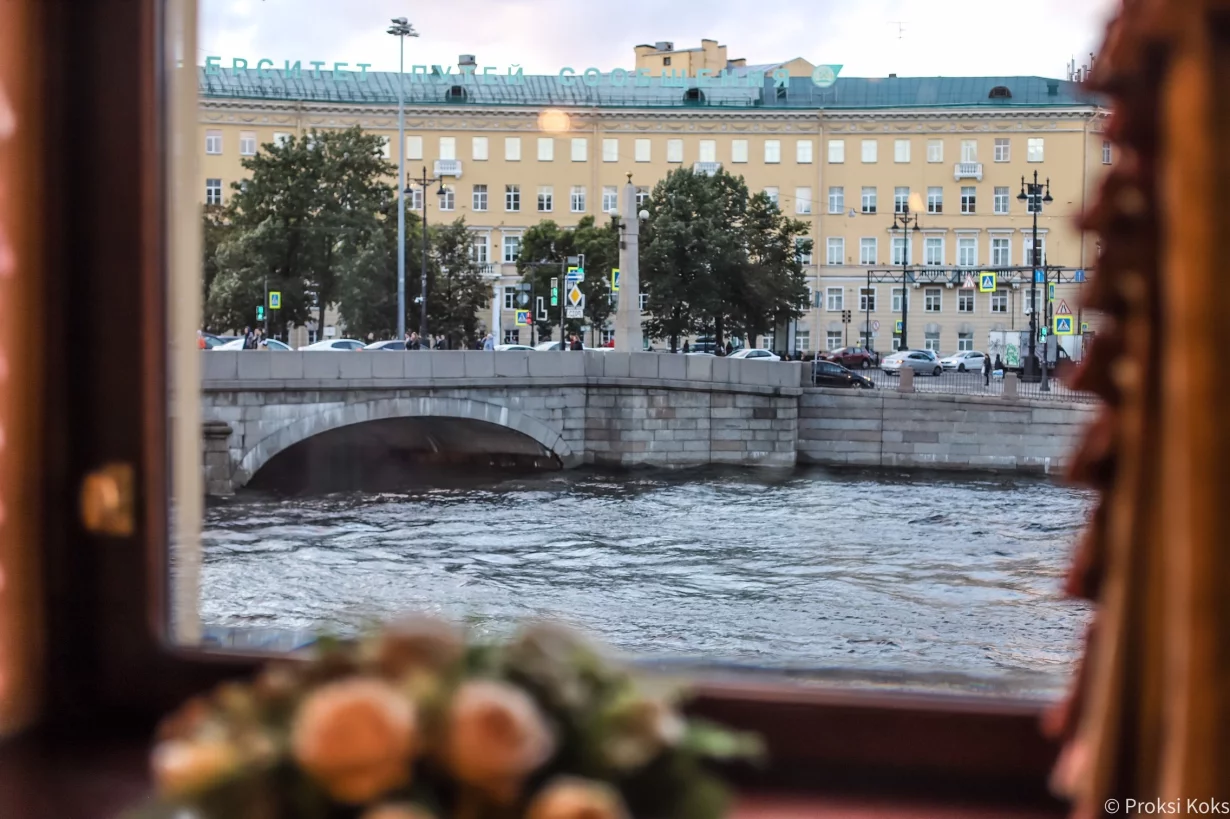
(869, 38)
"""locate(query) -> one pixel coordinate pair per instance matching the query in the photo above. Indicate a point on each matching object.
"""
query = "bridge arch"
(336, 416)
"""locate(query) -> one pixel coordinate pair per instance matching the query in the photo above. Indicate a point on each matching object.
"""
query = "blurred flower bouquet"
(415, 723)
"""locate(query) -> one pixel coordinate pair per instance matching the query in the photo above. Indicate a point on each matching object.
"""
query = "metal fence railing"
(971, 383)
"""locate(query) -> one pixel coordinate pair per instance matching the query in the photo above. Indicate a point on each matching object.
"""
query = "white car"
(755, 355)
(506, 347)
(923, 362)
(335, 345)
(546, 346)
(267, 344)
(965, 361)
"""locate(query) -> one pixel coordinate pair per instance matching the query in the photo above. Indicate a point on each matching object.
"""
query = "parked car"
(755, 355)
(554, 345)
(336, 345)
(214, 341)
(266, 344)
(829, 374)
(506, 347)
(923, 362)
(393, 345)
(855, 358)
(965, 361)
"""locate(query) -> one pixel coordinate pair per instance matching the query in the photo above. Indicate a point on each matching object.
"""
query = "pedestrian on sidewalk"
(986, 370)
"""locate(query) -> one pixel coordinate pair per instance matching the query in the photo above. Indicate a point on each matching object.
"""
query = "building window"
(896, 342)
(478, 249)
(802, 340)
(898, 294)
(510, 293)
(772, 151)
(213, 142)
(416, 199)
(802, 151)
(836, 250)
(866, 299)
(707, 150)
(610, 150)
(577, 199)
(935, 200)
(1106, 152)
(610, 199)
(837, 151)
(642, 196)
(967, 251)
(674, 150)
(512, 198)
(1027, 300)
(512, 336)
(1035, 150)
(935, 150)
(478, 149)
(1000, 202)
(932, 341)
(933, 300)
(546, 199)
(448, 199)
(900, 252)
(802, 201)
(641, 149)
(901, 198)
(448, 147)
(1001, 252)
(608, 335)
(280, 138)
(802, 250)
(512, 149)
(1003, 149)
(738, 150)
(965, 301)
(869, 150)
(837, 199)
(968, 199)
(479, 200)
(869, 200)
(834, 299)
(386, 146)
(965, 342)
(933, 251)
(546, 149)
(901, 150)
(213, 191)
(247, 144)
(580, 149)
(512, 248)
(999, 301)
(1028, 246)
(773, 195)
(644, 300)
(867, 250)
(969, 150)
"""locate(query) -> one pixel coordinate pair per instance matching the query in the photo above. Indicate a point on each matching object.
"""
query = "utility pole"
(1032, 194)
(401, 29)
(901, 221)
(422, 183)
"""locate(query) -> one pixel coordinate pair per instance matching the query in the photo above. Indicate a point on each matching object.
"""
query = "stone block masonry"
(919, 430)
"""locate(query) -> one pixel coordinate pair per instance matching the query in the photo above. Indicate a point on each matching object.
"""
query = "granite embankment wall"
(883, 428)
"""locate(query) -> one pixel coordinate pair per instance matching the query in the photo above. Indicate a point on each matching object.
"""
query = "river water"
(872, 578)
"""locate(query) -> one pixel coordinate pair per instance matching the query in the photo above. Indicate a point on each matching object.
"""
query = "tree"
(367, 288)
(545, 249)
(308, 209)
(776, 287)
(457, 290)
(214, 232)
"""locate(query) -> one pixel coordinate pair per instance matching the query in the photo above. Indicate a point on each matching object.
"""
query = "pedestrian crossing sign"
(1050, 291)
(986, 282)
(275, 300)
(614, 279)
(1063, 325)
(523, 318)
(897, 329)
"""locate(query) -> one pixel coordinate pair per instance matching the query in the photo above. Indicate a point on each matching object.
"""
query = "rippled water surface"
(909, 580)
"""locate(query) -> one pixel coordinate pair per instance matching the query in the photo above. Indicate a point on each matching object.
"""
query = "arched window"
(1000, 92)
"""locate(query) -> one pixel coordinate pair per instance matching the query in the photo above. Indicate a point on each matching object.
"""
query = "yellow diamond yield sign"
(575, 296)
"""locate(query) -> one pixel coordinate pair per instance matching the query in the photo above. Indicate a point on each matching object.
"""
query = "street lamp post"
(1035, 195)
(401, 29)
(422, 182)
(902, 222)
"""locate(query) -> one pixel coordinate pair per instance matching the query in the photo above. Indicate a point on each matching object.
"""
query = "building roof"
(848, 93)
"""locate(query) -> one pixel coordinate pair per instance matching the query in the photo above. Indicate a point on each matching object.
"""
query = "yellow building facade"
(842, 158)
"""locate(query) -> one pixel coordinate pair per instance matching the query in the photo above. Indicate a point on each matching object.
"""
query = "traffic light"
(260, 312)
(845, 316)
(555, 292)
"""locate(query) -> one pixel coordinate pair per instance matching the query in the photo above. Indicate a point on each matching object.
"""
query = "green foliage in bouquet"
(416, 723)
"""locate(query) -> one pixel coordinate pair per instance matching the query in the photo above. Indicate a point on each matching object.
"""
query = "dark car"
(828, 374)
(856, 358)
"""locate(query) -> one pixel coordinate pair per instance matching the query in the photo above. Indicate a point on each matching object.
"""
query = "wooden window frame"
(110, 664)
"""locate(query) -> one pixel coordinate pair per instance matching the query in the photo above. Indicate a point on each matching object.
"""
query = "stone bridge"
(558, 409)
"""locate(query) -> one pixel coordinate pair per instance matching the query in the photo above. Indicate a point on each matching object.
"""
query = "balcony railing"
(489, 271)
(448, 167)
(968, 170)
(709, 168)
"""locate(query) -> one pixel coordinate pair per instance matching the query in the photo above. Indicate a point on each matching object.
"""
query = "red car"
(854, 358)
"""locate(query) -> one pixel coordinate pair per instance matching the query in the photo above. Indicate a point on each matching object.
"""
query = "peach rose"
(640, 730)
(496, 738)
(569, 798)
(357, 738)
(417, 644)
(397, 811)
(183, 767)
